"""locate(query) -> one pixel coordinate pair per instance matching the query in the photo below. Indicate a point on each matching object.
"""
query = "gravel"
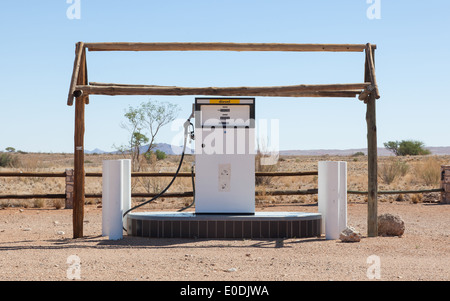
(37, 244)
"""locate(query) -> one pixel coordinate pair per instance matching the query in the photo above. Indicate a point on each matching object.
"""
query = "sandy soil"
(35, 244)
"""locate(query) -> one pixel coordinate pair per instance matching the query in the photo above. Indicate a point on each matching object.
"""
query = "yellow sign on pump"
(224, 101)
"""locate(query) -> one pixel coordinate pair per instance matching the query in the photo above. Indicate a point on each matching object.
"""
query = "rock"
(390, 225)
(26, 229)
(232, 270)
(60, 233)
(349, 234)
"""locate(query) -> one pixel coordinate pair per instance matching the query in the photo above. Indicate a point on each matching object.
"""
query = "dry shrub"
(58, 203)
(416, 198)
(265, 162)
(429, 171)
(149, 184)
(400, 198)
(388, 172)
(264, 180)
(31, 162)
(261, 196)
(39, 203)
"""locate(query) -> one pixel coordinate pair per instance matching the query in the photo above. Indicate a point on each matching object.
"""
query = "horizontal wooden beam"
(397, 191)
(34, 174)
(349, 93)
(188, 174)
(121, 46)
(32, 196)
(151, 174)
(190, 193)
(332, 90)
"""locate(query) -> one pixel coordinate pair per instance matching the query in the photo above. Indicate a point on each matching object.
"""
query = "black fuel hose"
(193, 189)
(186, 126)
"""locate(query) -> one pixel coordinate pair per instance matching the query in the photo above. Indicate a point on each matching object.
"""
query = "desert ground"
(36, 235)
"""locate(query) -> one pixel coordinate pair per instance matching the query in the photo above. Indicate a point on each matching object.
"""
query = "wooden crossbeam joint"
(364, 96)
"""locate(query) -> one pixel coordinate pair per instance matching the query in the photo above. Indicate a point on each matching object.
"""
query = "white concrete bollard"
(116, 196)
(333, 197)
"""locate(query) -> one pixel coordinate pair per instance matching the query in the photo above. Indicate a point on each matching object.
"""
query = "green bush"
(160, 155)
(151, 155)
(407, 148)
(358, 154)
(8, 160)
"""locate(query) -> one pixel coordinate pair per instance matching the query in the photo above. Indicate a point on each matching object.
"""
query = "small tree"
(392, 146)
(155, 115)
(143, 124)
(407, 148)
(10, 149)
(134, 126)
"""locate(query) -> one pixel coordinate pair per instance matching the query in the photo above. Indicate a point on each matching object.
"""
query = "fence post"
(445, 184)
(69, 189)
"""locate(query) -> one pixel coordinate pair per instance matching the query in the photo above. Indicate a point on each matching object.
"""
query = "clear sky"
(37, 43)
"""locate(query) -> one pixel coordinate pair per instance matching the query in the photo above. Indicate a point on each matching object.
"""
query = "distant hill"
(332, 152)
(164, 147)
(440, 150)
(170, 149)
(176, 150)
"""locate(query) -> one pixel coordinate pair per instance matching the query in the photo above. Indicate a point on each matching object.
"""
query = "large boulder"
(390, 225)
(349, 234)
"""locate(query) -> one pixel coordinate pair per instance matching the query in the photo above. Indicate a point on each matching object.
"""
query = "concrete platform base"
(191, 225)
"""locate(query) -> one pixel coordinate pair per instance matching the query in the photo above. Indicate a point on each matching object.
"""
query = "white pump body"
(224, 155)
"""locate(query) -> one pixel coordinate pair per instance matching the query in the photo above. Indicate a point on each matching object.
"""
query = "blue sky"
(412, 63)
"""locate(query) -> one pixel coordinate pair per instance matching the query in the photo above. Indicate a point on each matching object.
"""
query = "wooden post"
(445, 184)
(372, 169)
(372, 156)
(79, 174)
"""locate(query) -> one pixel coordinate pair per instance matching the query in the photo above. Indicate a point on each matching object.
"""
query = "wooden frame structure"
(80, 90)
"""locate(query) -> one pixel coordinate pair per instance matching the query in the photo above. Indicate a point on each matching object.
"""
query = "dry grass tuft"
(429, 171)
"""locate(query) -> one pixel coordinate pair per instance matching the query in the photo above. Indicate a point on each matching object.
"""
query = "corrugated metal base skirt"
(191, 225)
